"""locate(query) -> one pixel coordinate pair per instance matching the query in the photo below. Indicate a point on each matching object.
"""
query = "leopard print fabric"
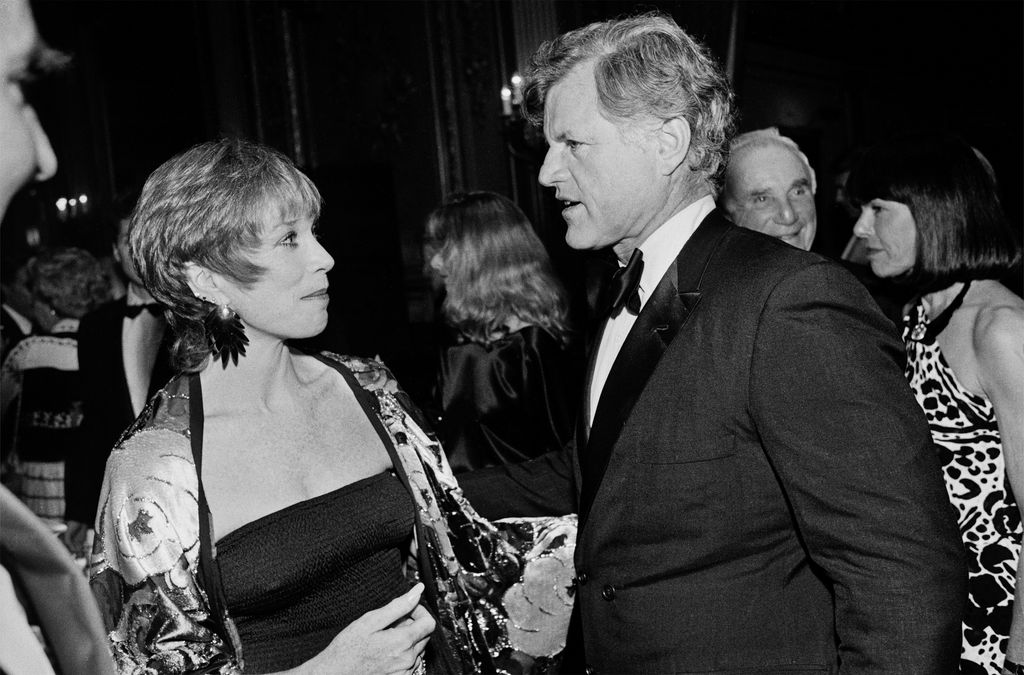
(963, 426)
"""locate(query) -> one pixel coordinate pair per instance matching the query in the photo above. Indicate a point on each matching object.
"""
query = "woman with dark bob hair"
(258, 515)
(930, 217)
(508, 378)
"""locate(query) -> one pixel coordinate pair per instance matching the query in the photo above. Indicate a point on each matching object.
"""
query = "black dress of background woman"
(508, 376)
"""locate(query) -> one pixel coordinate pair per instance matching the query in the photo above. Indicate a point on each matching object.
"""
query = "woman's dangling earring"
(225, 334)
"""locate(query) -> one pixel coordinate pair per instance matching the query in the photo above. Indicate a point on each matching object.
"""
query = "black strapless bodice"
(295, 578)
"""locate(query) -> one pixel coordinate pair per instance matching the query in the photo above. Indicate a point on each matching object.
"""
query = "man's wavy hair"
(645, 67)
(495, 268)
(962, 232)
(209, 206)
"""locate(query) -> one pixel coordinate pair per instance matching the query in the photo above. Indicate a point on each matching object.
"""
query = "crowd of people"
(742, 464)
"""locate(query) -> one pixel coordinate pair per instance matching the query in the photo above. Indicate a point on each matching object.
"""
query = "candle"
(506, 101)
(517, 89)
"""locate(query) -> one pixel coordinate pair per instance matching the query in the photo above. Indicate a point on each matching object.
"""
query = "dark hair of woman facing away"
(962, 233)
(208, 206)
(495, 268)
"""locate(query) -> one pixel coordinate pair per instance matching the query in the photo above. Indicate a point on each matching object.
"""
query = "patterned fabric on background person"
(40, 379)
(963, 426)
(502, 599)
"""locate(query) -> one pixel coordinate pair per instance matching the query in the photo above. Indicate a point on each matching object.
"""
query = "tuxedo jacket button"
(582, 578)
(590, 670)
(608, 592)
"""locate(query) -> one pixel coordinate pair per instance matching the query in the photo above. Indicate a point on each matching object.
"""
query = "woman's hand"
(385, 641)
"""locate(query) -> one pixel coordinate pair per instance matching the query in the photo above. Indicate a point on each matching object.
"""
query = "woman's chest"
(260, 464)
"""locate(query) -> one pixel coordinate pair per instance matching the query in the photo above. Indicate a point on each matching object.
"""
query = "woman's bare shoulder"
(998, 330)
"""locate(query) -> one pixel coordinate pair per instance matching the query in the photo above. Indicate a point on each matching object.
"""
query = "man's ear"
(673, 143)
(204, 283)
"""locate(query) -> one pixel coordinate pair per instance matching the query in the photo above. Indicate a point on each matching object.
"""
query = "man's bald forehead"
(737, 156)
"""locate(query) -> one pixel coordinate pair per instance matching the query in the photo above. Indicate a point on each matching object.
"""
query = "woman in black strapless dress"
(259, 514)
(255, 518)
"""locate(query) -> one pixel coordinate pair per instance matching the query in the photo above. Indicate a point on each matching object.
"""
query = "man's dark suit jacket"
(107, 406)
(759, 491)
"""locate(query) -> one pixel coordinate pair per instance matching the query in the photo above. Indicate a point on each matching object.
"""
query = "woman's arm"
(999, 346)
(145, 562)
(386, 640)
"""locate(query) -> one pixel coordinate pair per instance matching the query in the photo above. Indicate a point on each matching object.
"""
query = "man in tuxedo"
(770, 186)
(121, 347)
(756, 486)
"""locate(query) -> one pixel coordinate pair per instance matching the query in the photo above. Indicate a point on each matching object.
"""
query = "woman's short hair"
(495, 267)
(962, 232)
(645, 67)
(70, 280)
(209, 206)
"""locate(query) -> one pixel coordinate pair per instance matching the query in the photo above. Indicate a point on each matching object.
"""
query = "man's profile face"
(24, 148)
(768, 189)
(607, 180)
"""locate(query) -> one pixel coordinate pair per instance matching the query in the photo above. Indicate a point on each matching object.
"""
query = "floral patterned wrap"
(502, 588)
(145, 560)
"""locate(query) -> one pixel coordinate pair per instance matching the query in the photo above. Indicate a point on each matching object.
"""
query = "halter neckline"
(924, 330)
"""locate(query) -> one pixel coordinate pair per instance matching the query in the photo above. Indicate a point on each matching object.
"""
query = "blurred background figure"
(27, 153)
(15, 312)
(44, 600)
(509, 374)
(121, 347)
(40, 376)
(770, 186)
(930, 219)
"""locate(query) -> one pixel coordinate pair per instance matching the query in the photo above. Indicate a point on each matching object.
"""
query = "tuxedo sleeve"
(854, 455)
(83, 477)
(540, 487)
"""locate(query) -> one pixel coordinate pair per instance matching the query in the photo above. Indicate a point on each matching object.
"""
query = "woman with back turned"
(509, 375)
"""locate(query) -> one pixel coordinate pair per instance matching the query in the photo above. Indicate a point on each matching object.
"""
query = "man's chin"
(575, 238)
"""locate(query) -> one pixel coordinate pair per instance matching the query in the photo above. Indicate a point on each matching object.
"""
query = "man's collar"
(665, 243)
(137, 295)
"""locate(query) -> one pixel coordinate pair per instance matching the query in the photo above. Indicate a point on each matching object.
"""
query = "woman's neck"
(935, 303)
(262, 376)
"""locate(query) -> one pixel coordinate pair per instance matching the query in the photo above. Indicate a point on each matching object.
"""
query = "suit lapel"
(111, 345)
(673, 301)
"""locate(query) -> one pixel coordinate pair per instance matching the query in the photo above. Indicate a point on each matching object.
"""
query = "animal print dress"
(963, 426)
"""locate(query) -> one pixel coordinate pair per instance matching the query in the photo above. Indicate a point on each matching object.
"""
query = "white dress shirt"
(140, 343)
(659, 249)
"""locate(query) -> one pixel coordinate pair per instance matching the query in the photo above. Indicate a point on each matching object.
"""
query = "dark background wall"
(391, 105)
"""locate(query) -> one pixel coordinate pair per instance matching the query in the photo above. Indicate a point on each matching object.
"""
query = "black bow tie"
(624, 286)
(154, 308)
